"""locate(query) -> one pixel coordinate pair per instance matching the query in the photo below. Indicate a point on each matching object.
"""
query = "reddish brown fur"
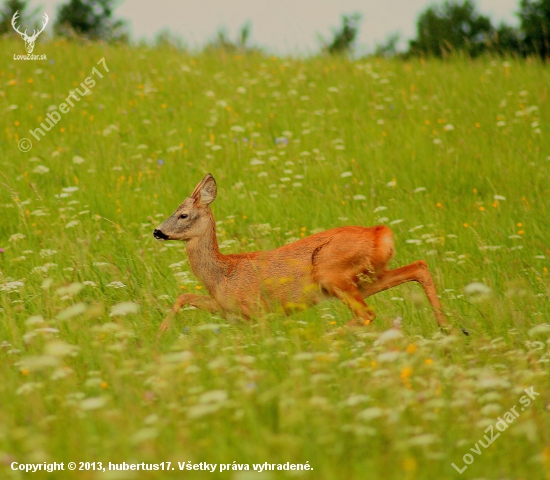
(348, 263)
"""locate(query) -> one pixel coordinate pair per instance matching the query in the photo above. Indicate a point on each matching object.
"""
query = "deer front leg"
(200, 301)
(348, 293)
(415, 272)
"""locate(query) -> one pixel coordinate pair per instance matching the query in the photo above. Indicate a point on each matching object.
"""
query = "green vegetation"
(9, 8)
(91, 19)
(457, 26)
(343, 39)
(454, 156)
(452, 26)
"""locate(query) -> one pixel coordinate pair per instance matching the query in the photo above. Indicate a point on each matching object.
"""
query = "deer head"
(193, 217)
(29, 41)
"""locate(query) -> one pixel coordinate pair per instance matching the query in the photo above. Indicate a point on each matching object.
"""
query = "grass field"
(454, 156)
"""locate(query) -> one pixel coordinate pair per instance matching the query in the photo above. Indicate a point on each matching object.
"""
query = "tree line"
(92, 19)
(443, 29)
(457, 26)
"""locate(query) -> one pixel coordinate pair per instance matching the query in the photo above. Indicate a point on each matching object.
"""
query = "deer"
(348, 263)
(29, 41)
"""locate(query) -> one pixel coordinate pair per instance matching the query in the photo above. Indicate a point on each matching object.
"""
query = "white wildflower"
(213, 396)
(16, 236)
(28, 387)
(477, 288)
(11, 286)
(44, 268)
(370, 413)
(93, 403)
(59, 348)
(544, 329)
(72, 311)
(39, 213)
(41, 169)
(391, 334)
(71, 289)
(177, 357)
(124, 308)
(35, 363)
(34, 320)
(388, 356)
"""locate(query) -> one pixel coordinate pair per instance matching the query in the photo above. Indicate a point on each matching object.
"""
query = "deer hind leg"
(415, 272)
(348, 293)
(200, 301)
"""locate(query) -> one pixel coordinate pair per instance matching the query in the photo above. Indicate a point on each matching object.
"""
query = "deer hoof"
(163, 327)
(359, 322)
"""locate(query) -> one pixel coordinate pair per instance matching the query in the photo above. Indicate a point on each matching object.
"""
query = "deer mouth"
(159, 235)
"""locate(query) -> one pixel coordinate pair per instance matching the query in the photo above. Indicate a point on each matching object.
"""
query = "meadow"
(453, 155)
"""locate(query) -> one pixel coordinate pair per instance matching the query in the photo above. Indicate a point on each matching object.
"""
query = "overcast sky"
(281, 26)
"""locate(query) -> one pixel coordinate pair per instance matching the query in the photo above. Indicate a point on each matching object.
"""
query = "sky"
(280, 26)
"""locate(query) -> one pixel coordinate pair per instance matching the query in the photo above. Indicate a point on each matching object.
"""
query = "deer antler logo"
(29, 41)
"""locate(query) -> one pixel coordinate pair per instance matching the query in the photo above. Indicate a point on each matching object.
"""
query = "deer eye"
(183, 215)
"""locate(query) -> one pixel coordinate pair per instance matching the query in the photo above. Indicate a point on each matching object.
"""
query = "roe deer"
(348, 263)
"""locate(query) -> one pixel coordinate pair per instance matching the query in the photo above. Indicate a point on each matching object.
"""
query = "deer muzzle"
(159, 235)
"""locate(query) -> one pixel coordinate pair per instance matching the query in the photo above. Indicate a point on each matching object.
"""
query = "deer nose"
(159, 235)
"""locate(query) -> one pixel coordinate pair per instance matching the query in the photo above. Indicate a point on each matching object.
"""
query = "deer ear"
(205, 192)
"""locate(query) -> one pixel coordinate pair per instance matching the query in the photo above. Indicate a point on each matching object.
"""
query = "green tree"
(389, 47)
(451, 27)
(241, 43)
(508, 40)
(165, 38)
(343, 39)
(90, 18)
(535, 26)
(7, 12)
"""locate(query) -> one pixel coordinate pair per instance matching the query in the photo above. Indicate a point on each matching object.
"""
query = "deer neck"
(205, 258)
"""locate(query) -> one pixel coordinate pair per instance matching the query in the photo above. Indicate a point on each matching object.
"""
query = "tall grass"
(454, 156)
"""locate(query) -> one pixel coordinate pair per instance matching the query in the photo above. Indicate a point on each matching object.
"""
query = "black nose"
(159, 235)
